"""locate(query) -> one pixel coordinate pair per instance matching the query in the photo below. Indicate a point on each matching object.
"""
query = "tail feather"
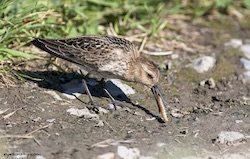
(41, 44)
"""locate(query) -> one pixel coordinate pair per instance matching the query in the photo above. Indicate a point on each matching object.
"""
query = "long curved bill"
(160, 102)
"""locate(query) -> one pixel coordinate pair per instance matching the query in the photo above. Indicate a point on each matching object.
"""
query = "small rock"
(203, 64)
(116, 88)
(246, 50)
(40, 157)
(53, 94)
(50, 120)
(174, 56)
(238, 121)
(112, 106)
(128, 153)
(246, 63)
(83, 113)
(235, 43)
(109, 155)
(151, 119)
(210, 82)
(230, 137)
(102, 110)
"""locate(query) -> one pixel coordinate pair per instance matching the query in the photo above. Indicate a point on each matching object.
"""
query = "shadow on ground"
(54, 80)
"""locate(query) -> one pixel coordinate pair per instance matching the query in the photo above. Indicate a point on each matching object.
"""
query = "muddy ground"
(36, 123)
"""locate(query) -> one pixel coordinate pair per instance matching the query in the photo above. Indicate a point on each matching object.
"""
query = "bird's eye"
(150, 76)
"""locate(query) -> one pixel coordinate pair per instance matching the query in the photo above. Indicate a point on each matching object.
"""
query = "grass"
(22, 20)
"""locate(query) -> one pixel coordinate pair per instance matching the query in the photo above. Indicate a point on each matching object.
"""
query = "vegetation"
(21, 20)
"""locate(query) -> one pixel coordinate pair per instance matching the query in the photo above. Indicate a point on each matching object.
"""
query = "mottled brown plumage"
(107, 57)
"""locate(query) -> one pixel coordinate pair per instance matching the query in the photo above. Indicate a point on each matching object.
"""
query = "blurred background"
(21, 20)
(179, 36)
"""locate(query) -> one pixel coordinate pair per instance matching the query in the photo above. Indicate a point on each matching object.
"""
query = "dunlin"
(107, 57)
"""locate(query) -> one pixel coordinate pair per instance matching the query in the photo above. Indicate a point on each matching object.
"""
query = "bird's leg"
(87, 91)
(107, 92)
(94, 108)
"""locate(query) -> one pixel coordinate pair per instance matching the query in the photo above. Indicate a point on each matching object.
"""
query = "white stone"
(102, 110)
(203, 64)
(174, 56)
(238, 121)
(230, 137)
(50, 120)
(116, 87)
(235, 43)
(246, 63)
(128, 153)
(53, 94)
(40, 157)
(246, 50)
(83, 113)
(108, 155)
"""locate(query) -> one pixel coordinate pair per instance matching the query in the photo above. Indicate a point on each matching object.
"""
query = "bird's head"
(146, 72)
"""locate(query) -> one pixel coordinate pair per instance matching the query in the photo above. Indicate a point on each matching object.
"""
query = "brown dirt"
(206, 111)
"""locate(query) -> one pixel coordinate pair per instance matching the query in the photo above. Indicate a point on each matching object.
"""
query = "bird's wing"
(86, 49)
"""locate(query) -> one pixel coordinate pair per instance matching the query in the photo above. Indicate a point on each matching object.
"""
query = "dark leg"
(108, 94)
(88, 92)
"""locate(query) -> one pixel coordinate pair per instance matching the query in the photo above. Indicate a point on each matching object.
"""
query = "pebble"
(116, 88)
(230, 137)
(174, 56)
(50, 120)
(235, 43)
(83, 113)
(203, 64)
(246, 63)
(128, 153)
(102, 110)
(108, 155)
(246, 50)
(238, 121)
(53, 94)
(40, 157)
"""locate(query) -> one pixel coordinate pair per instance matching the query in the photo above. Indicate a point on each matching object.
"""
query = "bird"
(109, 57)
